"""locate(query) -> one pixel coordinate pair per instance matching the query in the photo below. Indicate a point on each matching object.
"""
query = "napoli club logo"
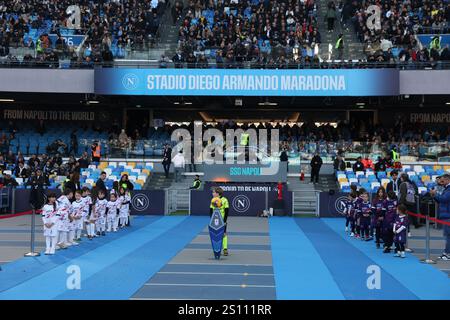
(241, 203)
(339, 205)
(140, 202)
(130, 81)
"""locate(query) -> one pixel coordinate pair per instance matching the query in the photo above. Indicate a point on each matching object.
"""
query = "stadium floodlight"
(7, 100)
(447, 103)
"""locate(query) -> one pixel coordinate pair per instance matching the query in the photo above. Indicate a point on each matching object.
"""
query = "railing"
(298, 152)
(154, 64)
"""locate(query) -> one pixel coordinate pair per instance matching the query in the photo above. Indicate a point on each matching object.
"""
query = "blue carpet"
(206, 246)
(225, 279)
(296, 261)
(21, 270)
(348, 265)
(205, 292)
(241, 233)
(141, 264)
(217, 268)
(424, 281)
(52, 283)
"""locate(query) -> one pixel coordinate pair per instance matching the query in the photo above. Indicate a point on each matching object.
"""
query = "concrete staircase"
(158, 181)
(305, 193)
(304, 196)
(353, 49)
(167, 41)
(179, 196)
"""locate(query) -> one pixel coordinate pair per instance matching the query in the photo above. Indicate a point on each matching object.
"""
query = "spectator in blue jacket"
(443, 201)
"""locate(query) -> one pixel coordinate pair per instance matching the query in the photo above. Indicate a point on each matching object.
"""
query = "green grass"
(180, 213)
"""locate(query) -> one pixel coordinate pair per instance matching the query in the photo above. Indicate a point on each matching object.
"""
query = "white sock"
(53, 244)
(48, 244)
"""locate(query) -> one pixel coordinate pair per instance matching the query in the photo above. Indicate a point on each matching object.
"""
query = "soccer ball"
(216, 202)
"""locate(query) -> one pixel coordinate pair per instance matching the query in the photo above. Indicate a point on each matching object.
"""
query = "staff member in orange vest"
(95, 152)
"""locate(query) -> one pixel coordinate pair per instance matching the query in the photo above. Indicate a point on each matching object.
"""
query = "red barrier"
(18, 214)
(447, 223)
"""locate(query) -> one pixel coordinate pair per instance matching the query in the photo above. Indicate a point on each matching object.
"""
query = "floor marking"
(225, 264)
(208, 285)
(218, 273)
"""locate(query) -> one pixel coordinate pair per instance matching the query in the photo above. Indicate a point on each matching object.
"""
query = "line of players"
(382, 218)
(66, 217)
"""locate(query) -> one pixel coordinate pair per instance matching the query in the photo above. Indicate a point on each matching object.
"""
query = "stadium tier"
(423, 176)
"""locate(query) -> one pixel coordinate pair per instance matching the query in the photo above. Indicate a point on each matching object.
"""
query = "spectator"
(21, 171)
(73, 182)
(358, 165)
(125, 183)
(380, 166)
(178, 164)
(8, 180)
(83, 162)
(123, 139)
(338, 164)
(330, 16)
(316, 164)
(73, 144)
(443, 201)
(167, 159)
(407, 196)
(100, 184)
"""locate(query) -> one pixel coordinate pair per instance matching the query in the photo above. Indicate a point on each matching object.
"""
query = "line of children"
(382, 218)
(64, 219)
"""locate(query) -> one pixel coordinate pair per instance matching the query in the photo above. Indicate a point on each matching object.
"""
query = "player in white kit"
(77, 214)
(50, 220)
(63, 207)
(124, 198)
(112, 211)
(87, 200)
(100, 211)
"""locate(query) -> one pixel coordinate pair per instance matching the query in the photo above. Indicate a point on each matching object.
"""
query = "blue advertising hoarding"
(246, 82)
(70, 40)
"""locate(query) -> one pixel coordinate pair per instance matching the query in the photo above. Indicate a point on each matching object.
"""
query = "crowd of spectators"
(268, 32)
(14, 165)
(128, 25)
(400, 22)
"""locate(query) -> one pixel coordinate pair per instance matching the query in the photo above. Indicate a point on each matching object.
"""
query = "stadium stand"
(107, 28)
(401, 22)
(267, 32)
(422, 175)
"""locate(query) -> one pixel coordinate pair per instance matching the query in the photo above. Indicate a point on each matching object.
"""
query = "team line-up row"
(65, 217)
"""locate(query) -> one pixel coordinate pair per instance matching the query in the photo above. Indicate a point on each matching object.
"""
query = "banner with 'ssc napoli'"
(246, 82)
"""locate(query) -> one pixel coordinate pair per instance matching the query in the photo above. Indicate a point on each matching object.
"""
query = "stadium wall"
(114, 81)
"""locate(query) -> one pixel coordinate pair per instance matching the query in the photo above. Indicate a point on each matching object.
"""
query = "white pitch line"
(209, 285)
(234, 249)
(225, 264)
(221, 273)
(166, 299)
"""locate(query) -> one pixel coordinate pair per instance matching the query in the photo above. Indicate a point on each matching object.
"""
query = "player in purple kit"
(390, 207)
(349, 212)
(400, 230)
(378, 211)
(357, 203)
(364, 209)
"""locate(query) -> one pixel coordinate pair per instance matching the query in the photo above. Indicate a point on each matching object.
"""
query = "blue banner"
(246, 82)
(70, 40)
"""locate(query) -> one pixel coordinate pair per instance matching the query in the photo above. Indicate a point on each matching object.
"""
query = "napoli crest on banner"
(216, 231)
